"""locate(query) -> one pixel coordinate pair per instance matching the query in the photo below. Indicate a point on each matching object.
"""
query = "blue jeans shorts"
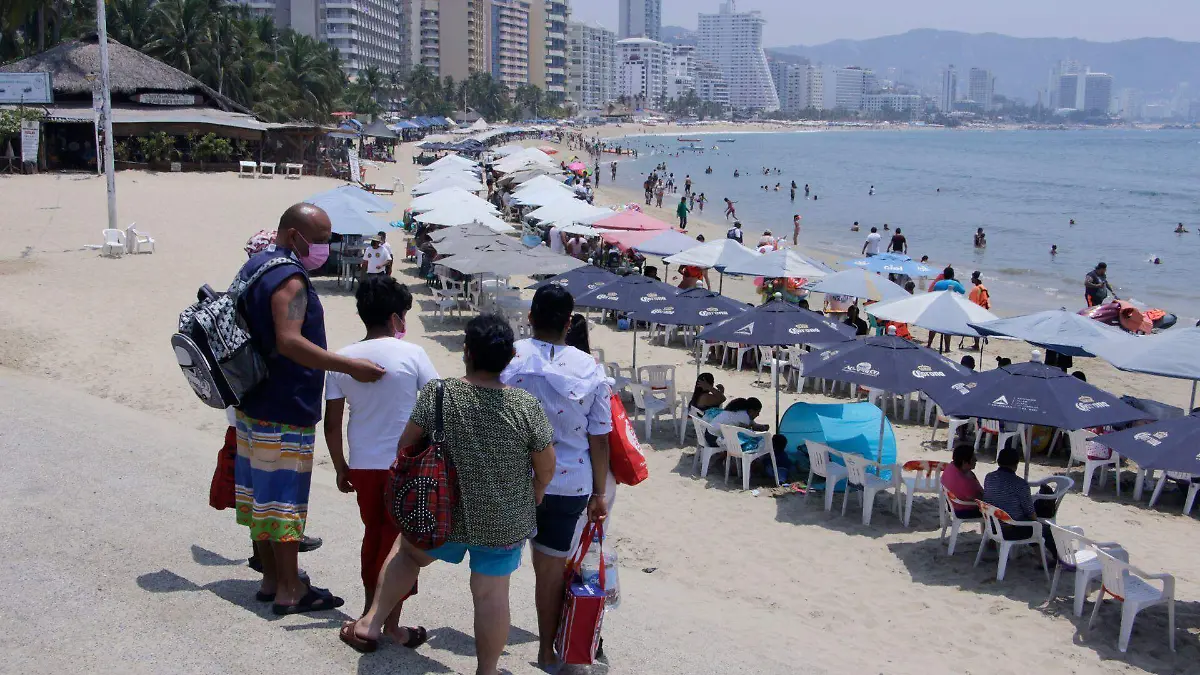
(490, 561)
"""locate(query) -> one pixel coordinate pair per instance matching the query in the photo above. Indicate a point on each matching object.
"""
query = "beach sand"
(755, 580)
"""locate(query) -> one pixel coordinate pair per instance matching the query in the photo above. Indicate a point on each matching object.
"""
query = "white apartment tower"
(796, 94)
(509, 42)
(949, 90)
(981, 87)
(557, 15)
(1097, 93)
(641, 69)
(733, 41)
(640, 18)
(590, 71)
(846, 87)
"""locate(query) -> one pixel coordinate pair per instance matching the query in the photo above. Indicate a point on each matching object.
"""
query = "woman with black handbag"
(499, 443)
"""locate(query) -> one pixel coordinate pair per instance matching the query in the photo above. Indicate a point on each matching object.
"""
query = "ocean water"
(1126, 190)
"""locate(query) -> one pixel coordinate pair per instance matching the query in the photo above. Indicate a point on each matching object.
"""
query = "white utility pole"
(106, 102)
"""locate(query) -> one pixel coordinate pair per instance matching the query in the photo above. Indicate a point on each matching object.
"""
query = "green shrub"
(158, 147)
(211, 148)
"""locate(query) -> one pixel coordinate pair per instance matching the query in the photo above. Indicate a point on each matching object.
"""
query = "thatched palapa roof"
(130, 72)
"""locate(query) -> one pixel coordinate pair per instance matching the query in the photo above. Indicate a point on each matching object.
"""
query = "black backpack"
(213, 345)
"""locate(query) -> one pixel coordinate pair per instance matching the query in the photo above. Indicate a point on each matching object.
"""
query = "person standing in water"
(1054, 249)
(730, 212)
(806, 190)
(796, 229)
(980, 238)
(871, 192)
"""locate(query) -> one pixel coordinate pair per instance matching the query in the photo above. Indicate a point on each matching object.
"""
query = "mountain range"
(1021, 66)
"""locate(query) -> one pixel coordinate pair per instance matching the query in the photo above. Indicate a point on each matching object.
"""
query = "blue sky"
(792, 22)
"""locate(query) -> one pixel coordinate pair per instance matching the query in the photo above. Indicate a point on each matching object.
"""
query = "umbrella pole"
(634, 373)
(1192, 402)
(775, 384)
(1028, 438)
(721, 283)
(882, 421)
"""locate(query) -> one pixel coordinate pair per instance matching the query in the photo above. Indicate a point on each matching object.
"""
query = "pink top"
(963, 484)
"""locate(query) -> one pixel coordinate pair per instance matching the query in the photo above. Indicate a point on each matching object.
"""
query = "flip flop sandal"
(359, 644)
(313, 601)
(264, 597)
(416, 637)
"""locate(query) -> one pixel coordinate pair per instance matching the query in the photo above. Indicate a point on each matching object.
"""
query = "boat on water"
(691, 148)
(726, 140)
(682, 139)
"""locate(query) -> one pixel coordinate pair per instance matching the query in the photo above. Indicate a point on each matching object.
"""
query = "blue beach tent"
(845, 427)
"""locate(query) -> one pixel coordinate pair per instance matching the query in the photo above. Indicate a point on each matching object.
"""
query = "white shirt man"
(871, 245)
(377, 256)
(556, 240)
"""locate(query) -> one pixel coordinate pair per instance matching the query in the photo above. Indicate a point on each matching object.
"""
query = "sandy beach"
(714, 579)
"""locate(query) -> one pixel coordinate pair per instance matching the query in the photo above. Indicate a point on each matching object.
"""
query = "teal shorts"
(490, 561)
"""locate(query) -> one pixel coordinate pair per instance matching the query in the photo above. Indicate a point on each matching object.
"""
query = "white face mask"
(398, 333)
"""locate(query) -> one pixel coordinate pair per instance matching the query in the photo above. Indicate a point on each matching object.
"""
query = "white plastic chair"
(683, 412)
(739, 352)
(1132, 587)
(262, 169)
(778, 359)
(659, 379)
(651, 406)
(246, 168)
(820, 463)
(1193, 487)
(870, 484)
(293, 170)
(114, 243)
(920, 476)
(1078, 441)
(709, 350)
(992, 519)
(734, 451)
(1076, 554)
(445, 304)
(137, 242)
(950, 519)
(705, 450)
(992, 428)
(598, 353)
(952, 425)
(620, 381)
(1062, 486)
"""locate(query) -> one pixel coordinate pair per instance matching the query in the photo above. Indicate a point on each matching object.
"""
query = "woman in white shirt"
(378, 413)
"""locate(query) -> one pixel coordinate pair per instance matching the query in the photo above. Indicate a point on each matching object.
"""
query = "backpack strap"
(263, 269)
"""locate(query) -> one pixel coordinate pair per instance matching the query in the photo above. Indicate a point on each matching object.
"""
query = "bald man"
(276, 422)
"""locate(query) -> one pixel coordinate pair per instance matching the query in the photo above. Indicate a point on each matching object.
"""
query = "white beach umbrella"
(542, 197)
(448, 197)
(446, 181)
(451, 217)
(785, 263)
(569, 211)
(543, 182)
(944, 312)
(455, 161)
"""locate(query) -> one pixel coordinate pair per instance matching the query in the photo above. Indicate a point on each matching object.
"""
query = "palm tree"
(129, 22)
(424, 91)
(183, 28)
(303, 83)
(373, 82)
(531, 97)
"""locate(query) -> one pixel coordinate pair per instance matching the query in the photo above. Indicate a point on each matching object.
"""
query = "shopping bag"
(625, 457)
(583, 607)
(220, 490)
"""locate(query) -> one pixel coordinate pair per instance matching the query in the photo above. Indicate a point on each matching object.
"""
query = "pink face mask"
(317, 255)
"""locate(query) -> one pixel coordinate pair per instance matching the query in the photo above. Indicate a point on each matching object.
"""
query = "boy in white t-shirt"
(378, 413)
(377, 257)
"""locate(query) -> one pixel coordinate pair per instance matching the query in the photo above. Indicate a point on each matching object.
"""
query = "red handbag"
(423, 487)
(583, 607)
(625, 458)
(220, 490)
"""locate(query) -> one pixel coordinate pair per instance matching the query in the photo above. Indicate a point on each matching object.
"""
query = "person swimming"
(736, 174)
(854, 227)
(1054, 249)
(1180, 229)
(871, 192)
(1072, 221)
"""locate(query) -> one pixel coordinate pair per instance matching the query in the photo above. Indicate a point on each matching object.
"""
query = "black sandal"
(361, 645)
(313, 601)
(416, 637)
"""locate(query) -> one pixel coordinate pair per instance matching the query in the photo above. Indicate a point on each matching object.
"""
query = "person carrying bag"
(423, 488)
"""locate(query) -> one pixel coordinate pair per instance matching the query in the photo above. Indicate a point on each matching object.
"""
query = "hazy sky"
(791, 22)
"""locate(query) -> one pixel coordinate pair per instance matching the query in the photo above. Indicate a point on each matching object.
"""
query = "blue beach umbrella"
(1036, 394)
(630, 294)
(1170, 354)
(693, 307)
(580, 280)
(888, 363)
(1065, 332)
(668, 243)
(778, 323)
(1169, 445)
(892, 263)
(354, 196)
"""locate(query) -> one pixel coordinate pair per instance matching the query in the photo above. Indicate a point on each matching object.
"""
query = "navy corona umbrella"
(580, 280)
(888, 363)
(693, 307)
(1169, 445)
(630, 294)
(778, 323)
(1057, 329)
(1034, 393)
